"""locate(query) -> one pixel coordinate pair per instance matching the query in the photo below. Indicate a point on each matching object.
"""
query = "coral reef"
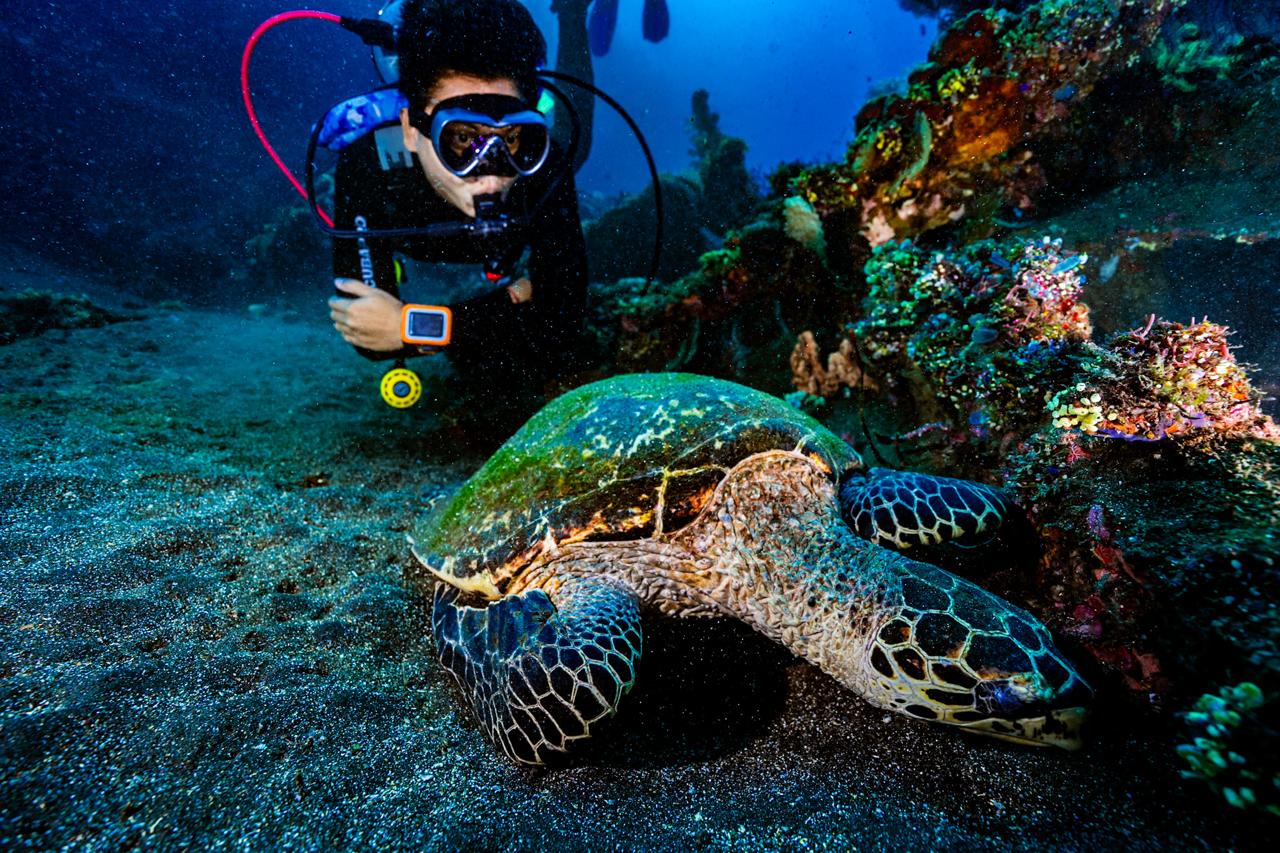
(722, 305)
(728, 191)
(1164, 380)
(1190, 229)
(732, 316)
(989, 346)
(620, 241)
(1225, 729)
(969, 336)
(1222, 21)
(698, 210)
(962, 138)
(809, 375)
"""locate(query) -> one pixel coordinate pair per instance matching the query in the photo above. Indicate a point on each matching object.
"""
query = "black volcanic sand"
(207, 643)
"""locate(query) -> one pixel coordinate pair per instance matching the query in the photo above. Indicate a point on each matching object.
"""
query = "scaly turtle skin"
(694, 496)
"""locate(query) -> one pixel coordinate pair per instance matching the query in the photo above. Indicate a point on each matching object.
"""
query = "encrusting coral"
(970, 335)
(1225, 729)
(964, 131)
(841, 371)
(1164, 380)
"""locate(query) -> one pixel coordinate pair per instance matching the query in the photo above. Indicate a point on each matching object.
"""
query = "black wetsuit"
(495, 341)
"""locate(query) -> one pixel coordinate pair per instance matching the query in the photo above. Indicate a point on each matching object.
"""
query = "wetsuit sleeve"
(477, 312)
(360, 193)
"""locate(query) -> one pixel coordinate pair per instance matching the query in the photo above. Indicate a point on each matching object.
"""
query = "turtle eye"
(998, 698)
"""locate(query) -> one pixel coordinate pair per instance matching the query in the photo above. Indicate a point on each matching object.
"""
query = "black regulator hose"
(648, 156)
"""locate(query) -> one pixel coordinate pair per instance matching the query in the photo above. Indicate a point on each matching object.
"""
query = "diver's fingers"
(360, 339)
(521, 290)
(339, 308)
(355, 288)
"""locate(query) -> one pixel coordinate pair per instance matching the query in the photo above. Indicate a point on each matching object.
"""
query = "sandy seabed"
(206, 642)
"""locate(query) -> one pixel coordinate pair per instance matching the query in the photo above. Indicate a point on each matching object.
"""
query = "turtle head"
(956, 654)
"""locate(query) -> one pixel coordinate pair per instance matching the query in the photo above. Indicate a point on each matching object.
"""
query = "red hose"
(248, 100)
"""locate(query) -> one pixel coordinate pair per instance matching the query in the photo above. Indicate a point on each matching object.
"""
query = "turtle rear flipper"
(539, 672)
(899, 509)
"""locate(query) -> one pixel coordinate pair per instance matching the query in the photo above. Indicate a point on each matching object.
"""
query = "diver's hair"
(489, 39)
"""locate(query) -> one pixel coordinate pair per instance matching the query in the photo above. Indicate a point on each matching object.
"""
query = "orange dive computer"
(426, 325)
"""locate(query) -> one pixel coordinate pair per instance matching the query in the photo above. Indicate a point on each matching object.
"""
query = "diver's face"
(460, 192)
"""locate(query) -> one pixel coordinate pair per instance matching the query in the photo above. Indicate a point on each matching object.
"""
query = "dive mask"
(486, 134)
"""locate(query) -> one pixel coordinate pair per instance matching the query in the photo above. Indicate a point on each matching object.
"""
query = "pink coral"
(1045, 303)
(841, 371)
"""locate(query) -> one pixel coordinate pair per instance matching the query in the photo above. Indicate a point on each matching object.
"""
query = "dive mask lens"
(463, 144)
(465, 139)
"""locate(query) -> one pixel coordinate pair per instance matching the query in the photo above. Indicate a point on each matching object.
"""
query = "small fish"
(655, 23)
(1108, 268)
(1065, 93)
(1068, 264)
(983, 335)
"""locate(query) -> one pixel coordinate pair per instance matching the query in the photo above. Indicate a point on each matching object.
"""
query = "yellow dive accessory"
(401, 387)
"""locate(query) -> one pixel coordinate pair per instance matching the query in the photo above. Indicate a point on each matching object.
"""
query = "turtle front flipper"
(899, 509)
(539, 670)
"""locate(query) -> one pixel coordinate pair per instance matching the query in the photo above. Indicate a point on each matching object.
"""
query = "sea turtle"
(688, 495)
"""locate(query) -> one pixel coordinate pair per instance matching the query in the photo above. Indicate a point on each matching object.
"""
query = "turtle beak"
(1060, 728)
(1057, 723)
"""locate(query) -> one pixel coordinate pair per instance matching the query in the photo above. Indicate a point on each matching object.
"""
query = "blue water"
(787, 77)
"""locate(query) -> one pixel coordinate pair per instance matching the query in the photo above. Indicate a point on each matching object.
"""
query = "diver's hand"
(370, 320)
(520, 291)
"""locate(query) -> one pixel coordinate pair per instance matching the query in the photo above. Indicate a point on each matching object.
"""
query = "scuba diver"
(454, 159)
(476, 145)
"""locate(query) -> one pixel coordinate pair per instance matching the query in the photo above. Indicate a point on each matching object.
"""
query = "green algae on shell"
(622, 458)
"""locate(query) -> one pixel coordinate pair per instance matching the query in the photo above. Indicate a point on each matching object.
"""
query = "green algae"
(600, 458)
